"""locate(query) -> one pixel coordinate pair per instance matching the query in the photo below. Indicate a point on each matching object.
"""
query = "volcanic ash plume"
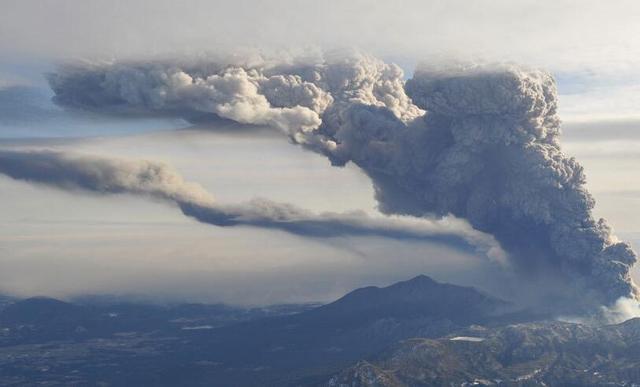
(71, 171)
(155, 180)
(487, 151)
(478, 142)
(243, 95)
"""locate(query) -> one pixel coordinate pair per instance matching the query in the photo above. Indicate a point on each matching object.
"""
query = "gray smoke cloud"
(480, 142)
(70, 171)
(101, 175)
(244, 95)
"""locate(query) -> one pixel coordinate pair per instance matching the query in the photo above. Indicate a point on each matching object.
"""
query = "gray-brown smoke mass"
(479, 142)
(101, 175)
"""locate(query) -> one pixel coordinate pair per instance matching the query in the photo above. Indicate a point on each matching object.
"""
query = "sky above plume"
(68, 242)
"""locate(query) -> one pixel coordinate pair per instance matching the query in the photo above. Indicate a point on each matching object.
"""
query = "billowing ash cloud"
(101, 175)
(156, 180)
(478, 142)
(244, 95)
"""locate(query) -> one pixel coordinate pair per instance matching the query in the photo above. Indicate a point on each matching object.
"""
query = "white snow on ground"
(467, 338)
(198, 327)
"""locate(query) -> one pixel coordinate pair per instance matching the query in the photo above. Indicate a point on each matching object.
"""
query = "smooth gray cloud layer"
(566, 33)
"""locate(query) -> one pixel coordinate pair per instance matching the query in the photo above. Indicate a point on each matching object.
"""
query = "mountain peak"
(419, 280)
(421, 277)
(419, 297)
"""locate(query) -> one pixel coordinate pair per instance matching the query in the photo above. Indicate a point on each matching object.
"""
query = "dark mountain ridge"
(418, 297)
(413, 333)
(549, 353)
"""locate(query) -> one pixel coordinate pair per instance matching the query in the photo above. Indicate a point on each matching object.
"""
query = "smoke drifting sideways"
(480, 142)
(70, 171)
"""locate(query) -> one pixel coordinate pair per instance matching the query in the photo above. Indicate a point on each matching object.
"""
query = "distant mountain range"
(39, 319)
(413, 333)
